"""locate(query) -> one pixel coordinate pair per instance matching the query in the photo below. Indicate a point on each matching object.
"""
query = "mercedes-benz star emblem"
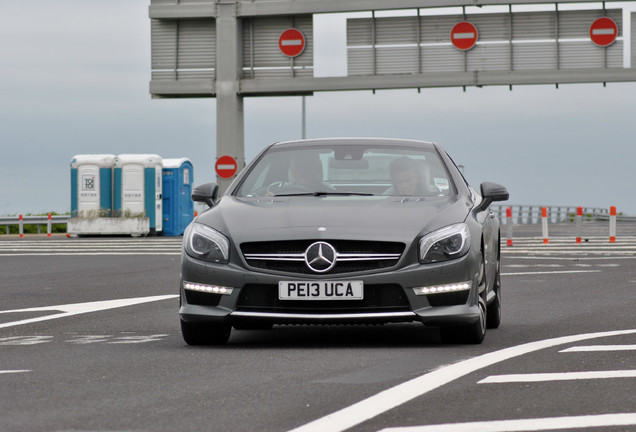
(320, 257)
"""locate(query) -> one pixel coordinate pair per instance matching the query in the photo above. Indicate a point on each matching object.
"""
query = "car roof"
(362, 141)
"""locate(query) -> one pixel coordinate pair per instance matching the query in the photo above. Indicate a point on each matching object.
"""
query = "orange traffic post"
(579, 219)
(21, 227)
(612, 227)
(48, 226)
(544, 223)
(509, 226)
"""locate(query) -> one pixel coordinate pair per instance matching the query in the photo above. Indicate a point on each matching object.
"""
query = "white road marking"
(24, 340)
(559, 376)
(536, 424)
(550, 272)
(592, 348)
(79, 308)
(137, 339)
(393, 397)
(89, 339)
(93, 247)
(13, 371)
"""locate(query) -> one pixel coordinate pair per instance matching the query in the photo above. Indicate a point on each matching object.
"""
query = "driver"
(407, 178)
(305, 174)
(306, 171)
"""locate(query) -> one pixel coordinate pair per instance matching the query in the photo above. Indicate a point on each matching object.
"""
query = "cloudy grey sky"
(74, 79)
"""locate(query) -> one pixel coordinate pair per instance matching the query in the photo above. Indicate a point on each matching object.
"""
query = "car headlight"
(207, 244)
(445, 244)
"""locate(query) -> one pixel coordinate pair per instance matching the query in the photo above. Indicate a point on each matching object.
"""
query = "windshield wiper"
(342, 194)
(324, 194)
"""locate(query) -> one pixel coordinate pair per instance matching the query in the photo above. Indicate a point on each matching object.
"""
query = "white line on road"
(13, 371)
(536, 424)
(79, 308)
(592, 348)
(550, 272)
(559, 376)
(393, 397)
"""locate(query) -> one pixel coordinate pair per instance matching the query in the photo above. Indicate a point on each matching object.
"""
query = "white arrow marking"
(79, 308)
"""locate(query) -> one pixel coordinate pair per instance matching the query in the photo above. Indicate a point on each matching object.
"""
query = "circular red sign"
(291, 42)
(603, 31)
(225, 167)
(464, 35)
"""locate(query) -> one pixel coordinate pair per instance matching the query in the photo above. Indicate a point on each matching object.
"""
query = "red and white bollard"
(612, 227)
(48, 226)
(509, 226)
(21, 226)
(544, 224)
(579, 219)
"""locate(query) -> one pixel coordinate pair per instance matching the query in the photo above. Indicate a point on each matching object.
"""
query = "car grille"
(377, 298)
(352, 256)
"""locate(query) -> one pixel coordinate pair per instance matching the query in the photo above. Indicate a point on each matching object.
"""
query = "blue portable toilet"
(91, 185)
(178, 209)
(137, 187)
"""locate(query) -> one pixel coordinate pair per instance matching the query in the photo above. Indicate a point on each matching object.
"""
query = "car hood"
(333, 217)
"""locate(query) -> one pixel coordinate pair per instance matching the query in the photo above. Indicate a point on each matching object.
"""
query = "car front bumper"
(432, 309)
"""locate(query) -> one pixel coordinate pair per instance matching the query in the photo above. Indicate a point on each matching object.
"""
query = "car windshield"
(347, 170)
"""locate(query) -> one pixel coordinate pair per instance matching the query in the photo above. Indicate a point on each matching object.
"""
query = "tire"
(494, 309)
(475, 333)
(205, 333)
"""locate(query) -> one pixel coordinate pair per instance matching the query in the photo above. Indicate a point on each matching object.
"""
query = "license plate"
(320, 290)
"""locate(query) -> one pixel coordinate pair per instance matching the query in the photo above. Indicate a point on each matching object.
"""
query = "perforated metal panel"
(633, 40)
(183, 49)
(507, 42)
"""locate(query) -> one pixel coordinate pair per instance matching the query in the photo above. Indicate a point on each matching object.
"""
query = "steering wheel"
(279, 187)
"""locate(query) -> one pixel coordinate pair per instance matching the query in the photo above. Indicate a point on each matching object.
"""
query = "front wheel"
(205, 333)
(468, 334)
(494, 308)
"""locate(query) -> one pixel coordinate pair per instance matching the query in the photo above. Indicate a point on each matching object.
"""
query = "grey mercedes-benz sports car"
(343, 231)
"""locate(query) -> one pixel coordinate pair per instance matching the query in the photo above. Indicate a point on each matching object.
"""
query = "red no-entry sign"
(603, 31)
(291, 42)
(464, 35)
(225, 167)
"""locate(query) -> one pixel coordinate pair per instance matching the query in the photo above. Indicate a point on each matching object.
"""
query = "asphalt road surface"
(90, 341)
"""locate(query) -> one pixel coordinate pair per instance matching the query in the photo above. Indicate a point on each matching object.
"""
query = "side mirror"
(492, 192)
(206, 193)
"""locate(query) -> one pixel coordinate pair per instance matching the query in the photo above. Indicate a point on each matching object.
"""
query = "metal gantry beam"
(248, 8)
(198, 51)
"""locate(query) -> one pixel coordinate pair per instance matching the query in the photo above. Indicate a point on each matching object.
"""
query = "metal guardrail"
(521, 214)
(531, 214)
(8, 221)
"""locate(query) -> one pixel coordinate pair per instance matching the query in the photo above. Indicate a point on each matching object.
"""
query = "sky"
(74, 79)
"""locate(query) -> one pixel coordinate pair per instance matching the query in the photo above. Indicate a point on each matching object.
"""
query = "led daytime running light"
(213, 289)
(441, 289)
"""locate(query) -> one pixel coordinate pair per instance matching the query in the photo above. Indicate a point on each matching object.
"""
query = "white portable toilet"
(91, 185)
(138, 187)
